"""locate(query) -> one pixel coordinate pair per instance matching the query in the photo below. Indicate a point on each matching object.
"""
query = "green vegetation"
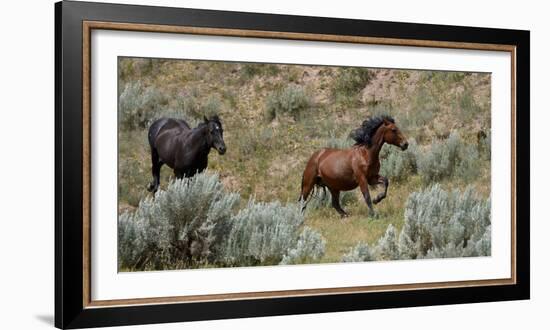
(275, 117)
(138, 105)
(438, 224)
(267, 233)
(193, 224)
(181, 226)
(250, 70)
(399, 165)
(291, 100)
(448, 158)
(349, 81)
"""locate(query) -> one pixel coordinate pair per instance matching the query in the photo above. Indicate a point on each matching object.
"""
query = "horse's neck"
(377, 143)
(198, 138)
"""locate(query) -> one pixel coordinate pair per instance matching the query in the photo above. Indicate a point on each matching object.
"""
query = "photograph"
(241, 164)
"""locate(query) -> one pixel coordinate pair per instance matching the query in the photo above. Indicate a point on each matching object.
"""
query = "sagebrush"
(180, 227)
(446, 224)
(139, 104)
(438, 224)
(452, 157)
(396, 164)
(194, 223)
(351, 80)
(291, 101)
(267, 233)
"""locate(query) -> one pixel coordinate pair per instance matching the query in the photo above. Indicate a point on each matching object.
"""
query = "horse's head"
(393, 135)
(215, 134)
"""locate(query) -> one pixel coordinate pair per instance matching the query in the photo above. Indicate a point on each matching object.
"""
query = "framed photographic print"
(215, 164)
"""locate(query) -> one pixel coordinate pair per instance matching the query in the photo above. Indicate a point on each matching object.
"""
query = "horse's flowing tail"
(302, 198)
(310, 177)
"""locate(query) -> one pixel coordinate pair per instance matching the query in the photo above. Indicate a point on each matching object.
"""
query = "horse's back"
(164, 124)
(332, 153)
(176, 123)
(319, 158)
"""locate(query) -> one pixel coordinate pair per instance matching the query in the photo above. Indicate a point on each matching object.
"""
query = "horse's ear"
(205, 119)
(388, 120)
(215, 118)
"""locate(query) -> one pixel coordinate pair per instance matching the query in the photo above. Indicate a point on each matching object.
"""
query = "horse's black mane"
(364, 134)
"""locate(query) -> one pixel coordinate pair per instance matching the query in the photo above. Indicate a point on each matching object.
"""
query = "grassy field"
(276, 116)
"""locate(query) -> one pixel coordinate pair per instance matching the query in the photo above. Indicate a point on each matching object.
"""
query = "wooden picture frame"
(75, 21)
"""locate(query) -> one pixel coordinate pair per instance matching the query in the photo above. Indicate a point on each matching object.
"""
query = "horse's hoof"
(152, 188)
(377, 200)
(373, 215)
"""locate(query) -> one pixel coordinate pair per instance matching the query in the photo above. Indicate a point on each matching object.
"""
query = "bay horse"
(183, 149)
(345, 169)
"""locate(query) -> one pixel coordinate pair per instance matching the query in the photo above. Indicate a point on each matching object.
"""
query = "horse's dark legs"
(363, 185)
(155, 169)
(179, 174)
(381, 180)
(324, 191)
(336, 202)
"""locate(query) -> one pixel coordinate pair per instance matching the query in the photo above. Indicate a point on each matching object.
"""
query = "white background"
(27, 168)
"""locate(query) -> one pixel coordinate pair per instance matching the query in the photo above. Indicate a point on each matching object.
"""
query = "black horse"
(183, 149)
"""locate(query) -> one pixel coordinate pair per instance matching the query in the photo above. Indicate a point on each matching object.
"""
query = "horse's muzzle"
(221, 150)
(404, 146)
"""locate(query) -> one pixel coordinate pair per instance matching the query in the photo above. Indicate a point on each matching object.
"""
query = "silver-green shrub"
(255, 140)
(290, 100)
(387, 247)
(467, 167)
(396, 164)
(188, 102)
(350, 80)
(439, 161)
(264, 233)
(192, 223)
(438, 224)
(423, 108)
(310, 247)
(441, 224)
(181, 226)
(189, 106)
(211, 106)
(139, 104)
(448, 158)
(358, 253)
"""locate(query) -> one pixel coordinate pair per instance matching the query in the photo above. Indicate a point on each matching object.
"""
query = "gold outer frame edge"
(88, 26)
(86, 164)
